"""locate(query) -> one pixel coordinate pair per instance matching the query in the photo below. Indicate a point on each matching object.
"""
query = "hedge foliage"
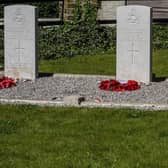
(81, 36)
(75, 40)
(160, 36)
(84, 39)
(1, 46)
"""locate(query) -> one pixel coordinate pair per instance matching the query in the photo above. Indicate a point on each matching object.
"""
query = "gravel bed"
(57, 87)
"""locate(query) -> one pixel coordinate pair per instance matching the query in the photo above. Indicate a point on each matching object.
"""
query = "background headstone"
(21, 32)
(134, 48)
(107, 9)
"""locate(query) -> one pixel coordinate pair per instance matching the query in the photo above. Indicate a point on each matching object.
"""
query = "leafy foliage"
(1, 46)
(160, 37)
(80, 36)
(84, 36)
(72, 40)
(48, 9)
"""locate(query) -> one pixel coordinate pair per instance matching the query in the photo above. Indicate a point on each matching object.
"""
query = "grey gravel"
(57, 87)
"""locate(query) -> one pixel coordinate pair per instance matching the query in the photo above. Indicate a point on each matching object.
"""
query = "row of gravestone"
(133, 42)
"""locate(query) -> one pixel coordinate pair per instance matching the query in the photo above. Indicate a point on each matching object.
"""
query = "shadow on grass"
(158, 79)
(44, 74)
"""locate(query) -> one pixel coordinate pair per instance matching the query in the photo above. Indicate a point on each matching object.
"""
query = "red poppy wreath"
(116, 86)
(6, 82)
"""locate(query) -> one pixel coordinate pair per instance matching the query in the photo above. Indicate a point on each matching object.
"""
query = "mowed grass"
(100, 63)
(48, 137)
(160, 63)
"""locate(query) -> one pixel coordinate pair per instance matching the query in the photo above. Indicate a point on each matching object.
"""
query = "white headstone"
(21, 41)
(134, 48)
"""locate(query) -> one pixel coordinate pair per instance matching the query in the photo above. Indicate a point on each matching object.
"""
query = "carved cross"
(19, 51)
(133, 52)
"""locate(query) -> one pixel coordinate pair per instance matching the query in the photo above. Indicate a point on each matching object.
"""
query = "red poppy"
(116, 86)
(6, 82)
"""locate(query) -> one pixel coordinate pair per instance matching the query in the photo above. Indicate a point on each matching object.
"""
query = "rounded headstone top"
(21, 6)
(134, 6)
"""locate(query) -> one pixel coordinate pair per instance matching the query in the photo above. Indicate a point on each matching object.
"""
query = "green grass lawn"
(48, 137)
(160, 63)
(101, 63)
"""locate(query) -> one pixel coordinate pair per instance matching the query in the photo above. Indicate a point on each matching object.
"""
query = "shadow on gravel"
(43, 74)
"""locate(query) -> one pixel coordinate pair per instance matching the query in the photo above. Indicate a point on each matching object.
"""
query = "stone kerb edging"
(83, 75)
(85, 104)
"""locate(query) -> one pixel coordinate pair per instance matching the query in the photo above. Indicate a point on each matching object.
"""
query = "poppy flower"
(116, 86)
(6, 82)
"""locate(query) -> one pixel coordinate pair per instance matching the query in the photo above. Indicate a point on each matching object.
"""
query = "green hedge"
(69, 41)
(160, 37)
(1, 46)
(84, 39)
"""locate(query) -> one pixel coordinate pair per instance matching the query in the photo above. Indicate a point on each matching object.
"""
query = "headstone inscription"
(134, 48)
(21, 41)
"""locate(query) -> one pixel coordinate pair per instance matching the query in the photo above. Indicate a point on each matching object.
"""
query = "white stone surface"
(21, 41)
(71, 99)
(134, 51)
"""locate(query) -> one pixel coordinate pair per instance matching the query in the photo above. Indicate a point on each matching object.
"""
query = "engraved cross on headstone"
(133, 52)
(19, 51)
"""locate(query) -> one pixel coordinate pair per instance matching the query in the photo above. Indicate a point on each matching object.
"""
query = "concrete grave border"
(85, 104)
